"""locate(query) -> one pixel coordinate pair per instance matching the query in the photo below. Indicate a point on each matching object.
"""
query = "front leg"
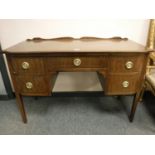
(21, 107)
(134, 106)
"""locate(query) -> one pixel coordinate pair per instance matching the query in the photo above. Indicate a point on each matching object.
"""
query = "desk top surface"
(76, 45)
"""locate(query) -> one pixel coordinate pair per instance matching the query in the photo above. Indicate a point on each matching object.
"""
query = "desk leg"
(21, 107)
(142, 92)
(134, 106)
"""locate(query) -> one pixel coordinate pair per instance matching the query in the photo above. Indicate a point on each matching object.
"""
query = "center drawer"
(58, 63)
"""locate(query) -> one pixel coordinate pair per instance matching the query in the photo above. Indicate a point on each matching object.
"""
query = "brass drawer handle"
(125, 84)
(129, 65)
(25, 65)
(29, 85)
(77, 61)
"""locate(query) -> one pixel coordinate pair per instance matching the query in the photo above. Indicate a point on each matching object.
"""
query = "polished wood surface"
(62, 63)
(39, 85)
(76, 46)
(118, 63)
(34, 65)
(115, 84)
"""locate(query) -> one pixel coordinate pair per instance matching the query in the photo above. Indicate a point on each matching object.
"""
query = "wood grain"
(36, 65)
(118, 63)
(39, 84)
(48, 57)
(62, 63)
(70, 46)
(115, 87)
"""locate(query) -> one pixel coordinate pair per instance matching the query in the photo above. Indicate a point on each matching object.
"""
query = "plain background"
(14, 31)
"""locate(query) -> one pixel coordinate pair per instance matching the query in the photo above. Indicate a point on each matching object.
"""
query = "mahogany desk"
(34, 64)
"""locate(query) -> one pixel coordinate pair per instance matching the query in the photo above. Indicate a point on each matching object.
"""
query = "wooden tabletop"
(76, 45)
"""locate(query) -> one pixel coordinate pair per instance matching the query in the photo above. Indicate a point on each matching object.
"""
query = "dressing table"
(35, 63)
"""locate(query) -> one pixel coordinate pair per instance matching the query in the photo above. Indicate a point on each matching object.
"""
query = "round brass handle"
(25, 65)
(125, 84)
(77, 61)
(129, 65)
(29, 85)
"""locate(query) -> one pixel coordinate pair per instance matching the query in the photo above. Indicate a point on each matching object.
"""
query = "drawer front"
(124, 64)
(32, 85)
(122, 84)
(54, 63)
(23, 65)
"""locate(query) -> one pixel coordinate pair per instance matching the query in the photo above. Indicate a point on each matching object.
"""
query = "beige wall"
(14, 31)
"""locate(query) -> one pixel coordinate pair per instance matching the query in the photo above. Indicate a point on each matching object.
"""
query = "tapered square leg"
(142, 92)
(134, 106)
(21, 107)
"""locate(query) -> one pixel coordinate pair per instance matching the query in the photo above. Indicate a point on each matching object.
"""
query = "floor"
(100, 115)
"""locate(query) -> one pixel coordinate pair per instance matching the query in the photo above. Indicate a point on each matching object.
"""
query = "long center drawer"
(57, 63)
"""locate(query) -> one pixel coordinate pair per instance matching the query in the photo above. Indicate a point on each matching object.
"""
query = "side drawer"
(32, 85)
(54, 63)
(27, 65)
(126, 63)
(122, 84)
